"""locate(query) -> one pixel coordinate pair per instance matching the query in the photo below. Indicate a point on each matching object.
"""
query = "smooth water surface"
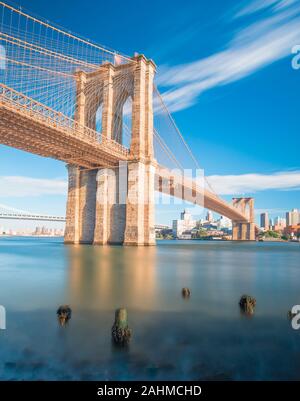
(201, 338)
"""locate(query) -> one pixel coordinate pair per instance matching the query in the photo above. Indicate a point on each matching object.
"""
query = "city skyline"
(266, 222)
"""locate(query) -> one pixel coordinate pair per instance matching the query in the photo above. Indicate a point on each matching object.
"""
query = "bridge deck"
(35, 217)
(189, 191)
(33, 127)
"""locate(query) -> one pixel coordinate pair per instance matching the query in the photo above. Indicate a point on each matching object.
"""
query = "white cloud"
(260, 5)
(18, 186)
(251, 183)
(252, 48)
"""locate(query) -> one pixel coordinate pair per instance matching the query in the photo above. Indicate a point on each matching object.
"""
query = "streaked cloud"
(18, 186)
(258, 5)
(254, 46)
(251, 183)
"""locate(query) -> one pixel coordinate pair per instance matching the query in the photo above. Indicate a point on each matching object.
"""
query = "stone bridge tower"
(109, 205)
(242, 231)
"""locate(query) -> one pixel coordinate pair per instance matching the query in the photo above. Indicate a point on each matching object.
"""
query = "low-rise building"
(293, 231)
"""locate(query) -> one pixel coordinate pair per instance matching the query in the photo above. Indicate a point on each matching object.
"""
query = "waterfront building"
(161, 227)
(209, 226)
(209, 216)
(215, 233)
(184, 225)
(293, 217)
(293, 230)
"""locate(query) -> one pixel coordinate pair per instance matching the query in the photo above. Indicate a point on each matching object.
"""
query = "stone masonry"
(112, 205)
(242, 231)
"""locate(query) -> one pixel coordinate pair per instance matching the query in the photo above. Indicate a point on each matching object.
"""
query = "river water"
(204, 337)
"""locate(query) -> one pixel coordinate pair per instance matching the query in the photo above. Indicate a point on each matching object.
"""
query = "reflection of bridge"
(75, 101)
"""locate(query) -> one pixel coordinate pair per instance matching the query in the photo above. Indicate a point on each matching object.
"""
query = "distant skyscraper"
(264, 221)
(280, 222)
(293, 217)
(209, 216)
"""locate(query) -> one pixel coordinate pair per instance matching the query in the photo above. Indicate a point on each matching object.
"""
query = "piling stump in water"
(64, 313)
(120, 331)
(186, 292)
(247, 304)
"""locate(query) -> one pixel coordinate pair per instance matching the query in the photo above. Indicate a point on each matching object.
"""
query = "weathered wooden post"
(186, 292)
(247, 304)
(64, 313)
(120, 331)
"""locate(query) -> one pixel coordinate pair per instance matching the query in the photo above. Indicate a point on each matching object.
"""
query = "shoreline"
(157, 239)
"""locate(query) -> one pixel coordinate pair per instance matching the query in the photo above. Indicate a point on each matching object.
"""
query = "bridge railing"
(56, 119)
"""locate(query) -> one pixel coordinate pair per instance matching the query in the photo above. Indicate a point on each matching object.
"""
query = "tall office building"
(209, 216)
(264, 221)
(293, 217)
(280, 222)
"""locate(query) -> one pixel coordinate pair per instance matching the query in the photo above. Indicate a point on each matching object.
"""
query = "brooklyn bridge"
(100, 112)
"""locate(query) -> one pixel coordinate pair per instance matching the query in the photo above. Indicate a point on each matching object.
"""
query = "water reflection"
(202, 337)
(108, 277)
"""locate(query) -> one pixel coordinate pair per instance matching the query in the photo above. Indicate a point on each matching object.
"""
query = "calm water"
(204, 337)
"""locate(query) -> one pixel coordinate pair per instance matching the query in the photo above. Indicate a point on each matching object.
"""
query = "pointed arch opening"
(127, 122)
(98, 118)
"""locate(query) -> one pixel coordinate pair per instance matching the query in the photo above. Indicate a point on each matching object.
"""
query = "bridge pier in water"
(241, 230)
(113, 205)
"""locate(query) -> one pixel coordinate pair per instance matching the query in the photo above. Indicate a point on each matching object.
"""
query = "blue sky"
(225, 70)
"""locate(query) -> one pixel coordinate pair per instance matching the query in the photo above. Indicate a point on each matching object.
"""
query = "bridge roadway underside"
(22, 131)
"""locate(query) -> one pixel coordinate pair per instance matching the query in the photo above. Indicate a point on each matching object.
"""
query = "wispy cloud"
(18, 186)
(254, 46)
(259, 5)
(251, 183)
